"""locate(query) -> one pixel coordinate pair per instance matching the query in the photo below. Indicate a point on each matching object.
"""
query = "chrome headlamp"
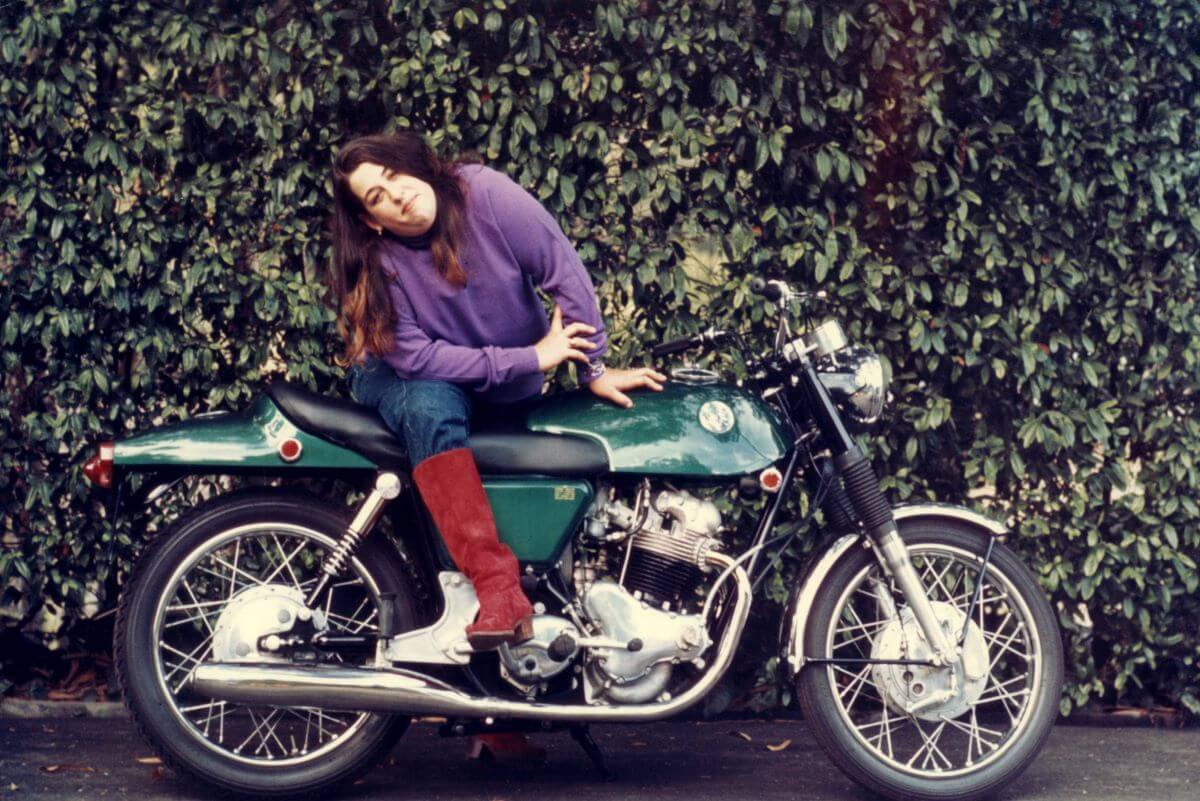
(857, 381)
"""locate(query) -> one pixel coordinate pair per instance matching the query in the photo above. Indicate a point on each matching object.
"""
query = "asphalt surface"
(98, 759)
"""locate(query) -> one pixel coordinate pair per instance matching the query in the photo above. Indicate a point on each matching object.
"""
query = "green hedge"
(1001, 197)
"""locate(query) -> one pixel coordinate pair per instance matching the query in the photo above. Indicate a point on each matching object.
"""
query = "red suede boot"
(453, 492)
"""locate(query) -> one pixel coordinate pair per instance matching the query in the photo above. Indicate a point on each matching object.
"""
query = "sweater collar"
(416, 242)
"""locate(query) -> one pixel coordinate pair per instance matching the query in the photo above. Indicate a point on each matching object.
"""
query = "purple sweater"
(482, 335)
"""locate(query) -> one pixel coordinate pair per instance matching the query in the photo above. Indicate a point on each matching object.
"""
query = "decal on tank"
(716, 416)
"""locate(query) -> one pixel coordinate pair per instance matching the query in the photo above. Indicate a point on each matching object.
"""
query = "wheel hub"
(928, 692)
(257, 613)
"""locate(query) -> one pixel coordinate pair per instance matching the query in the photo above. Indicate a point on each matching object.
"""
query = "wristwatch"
(595, 370)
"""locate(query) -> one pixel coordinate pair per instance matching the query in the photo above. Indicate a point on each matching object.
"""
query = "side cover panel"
(662, 433)
(534, 516)
(232, 441)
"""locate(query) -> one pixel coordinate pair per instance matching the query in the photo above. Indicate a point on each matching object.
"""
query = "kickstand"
(581, 735)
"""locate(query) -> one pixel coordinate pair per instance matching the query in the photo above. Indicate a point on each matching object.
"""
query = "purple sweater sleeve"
(543, 251)
(416, 355)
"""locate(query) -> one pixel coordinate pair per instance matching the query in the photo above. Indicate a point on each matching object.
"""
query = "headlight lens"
(858, 383)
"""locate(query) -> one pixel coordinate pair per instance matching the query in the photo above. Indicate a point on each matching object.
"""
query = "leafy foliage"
(1000, 196)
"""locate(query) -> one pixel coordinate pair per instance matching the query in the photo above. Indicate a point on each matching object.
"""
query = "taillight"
(99, 469)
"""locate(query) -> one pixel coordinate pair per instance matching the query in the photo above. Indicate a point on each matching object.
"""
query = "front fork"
(875, 513)
(894, 556)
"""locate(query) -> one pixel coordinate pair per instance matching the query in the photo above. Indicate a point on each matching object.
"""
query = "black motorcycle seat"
(497, 450)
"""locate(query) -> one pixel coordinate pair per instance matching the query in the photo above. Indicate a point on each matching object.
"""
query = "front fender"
(800, 602)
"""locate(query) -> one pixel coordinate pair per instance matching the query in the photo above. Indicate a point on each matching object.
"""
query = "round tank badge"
(716, 416)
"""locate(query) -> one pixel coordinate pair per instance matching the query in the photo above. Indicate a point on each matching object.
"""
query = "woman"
(434, 267)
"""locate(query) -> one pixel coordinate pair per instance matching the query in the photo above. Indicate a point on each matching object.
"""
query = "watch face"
(716, 416)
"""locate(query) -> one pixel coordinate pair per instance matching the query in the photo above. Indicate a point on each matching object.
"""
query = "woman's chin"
(411, 232)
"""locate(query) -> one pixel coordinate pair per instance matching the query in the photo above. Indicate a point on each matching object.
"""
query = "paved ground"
(663, 762)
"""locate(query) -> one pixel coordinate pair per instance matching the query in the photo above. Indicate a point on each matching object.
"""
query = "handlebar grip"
(768, 291)
(672, 346)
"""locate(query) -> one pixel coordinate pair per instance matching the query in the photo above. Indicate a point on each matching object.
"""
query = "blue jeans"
(430, 417)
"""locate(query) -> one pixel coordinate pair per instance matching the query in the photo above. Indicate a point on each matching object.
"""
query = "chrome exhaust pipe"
(408, 692)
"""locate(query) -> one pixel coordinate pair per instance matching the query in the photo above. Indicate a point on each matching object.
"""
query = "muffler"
(399, 691)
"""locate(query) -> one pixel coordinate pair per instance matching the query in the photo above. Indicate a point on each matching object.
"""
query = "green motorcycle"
(268, 643)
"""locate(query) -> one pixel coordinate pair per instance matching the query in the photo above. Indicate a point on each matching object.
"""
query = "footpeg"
(387, 615)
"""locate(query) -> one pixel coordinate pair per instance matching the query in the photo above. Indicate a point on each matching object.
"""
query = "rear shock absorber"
(387, 487)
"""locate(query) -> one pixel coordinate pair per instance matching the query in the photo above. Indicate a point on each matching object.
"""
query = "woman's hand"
(561, 344)
(613, 382)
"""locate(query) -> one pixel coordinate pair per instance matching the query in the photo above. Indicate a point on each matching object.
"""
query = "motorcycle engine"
(667, 537)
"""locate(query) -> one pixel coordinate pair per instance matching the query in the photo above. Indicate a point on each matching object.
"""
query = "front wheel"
(919, 732)
(206, 589)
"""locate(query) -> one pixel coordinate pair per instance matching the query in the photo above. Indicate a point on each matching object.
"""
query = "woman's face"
(402, 204)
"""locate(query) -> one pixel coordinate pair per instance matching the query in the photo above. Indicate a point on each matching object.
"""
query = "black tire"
(853, 752)
(150, 703)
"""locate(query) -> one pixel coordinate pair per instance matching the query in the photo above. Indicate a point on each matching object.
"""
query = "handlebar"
(710, 337)
(672, 346)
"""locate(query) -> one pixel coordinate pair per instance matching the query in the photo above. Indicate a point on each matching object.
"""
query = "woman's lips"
(405, 208)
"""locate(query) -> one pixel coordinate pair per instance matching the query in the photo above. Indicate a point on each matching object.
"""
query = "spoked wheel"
(917, 731)
(220, 582)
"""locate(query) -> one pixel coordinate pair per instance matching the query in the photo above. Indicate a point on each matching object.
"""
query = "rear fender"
(246, 441)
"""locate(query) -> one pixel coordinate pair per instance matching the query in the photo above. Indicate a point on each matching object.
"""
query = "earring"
(378, 232)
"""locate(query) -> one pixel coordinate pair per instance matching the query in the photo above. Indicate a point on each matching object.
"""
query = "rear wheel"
(205, 588)
(918, 732)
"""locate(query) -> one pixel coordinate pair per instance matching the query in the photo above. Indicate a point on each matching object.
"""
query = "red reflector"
(99, 469)
(289, 449)
(770, 479)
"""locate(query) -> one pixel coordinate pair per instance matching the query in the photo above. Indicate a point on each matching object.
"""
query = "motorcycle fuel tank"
(692, 430)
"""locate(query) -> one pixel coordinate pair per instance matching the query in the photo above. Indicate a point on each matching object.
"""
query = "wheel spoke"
(858, 623)
(205, 646)
(251, 579)
(351, 623)
(1004, 647)
(856, 682)
(1006, 697)
(885, 725)
(287, 562)
(257, 728)
(929, 747)
(937, 579)
(975, 732)
(864, 636)
(191, 594)
(237, 550)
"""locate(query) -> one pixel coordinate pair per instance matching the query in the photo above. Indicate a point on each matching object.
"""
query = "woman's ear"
(374, 226)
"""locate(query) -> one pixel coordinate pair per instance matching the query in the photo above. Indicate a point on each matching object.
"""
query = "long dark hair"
(365, 317)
